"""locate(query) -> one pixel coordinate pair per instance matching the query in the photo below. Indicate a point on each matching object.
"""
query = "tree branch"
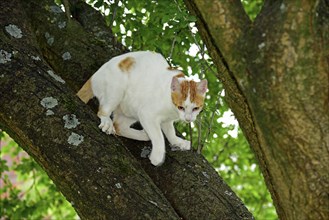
(55, 128)
(276, 73)
(225, 25)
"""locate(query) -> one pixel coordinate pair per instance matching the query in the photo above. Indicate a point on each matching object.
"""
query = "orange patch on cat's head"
(126, 64)
(177, 99)
(177, 95)
(194, 90)
(196, 96)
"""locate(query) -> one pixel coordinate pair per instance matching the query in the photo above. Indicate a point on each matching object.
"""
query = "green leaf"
(99, 3)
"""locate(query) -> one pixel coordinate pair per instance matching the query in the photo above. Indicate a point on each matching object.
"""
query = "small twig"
(67, 9)
(203, 63)
(1, 136)
(114, 13)
(211, 121)
(172, 49)
(200, 146)
(191, 134)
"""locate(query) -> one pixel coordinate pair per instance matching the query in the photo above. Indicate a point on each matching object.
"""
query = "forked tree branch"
(276, 72)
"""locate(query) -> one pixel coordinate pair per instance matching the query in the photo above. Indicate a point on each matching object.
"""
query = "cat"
(141, 86)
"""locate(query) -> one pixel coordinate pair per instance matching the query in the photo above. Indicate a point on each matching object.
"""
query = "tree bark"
(276, 75)
(44, 59)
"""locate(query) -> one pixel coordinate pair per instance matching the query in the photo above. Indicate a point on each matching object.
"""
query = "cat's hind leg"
(108, 85)
(122, 127)
(107, 104)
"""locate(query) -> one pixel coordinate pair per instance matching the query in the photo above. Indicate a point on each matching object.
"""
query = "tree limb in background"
(276, 84)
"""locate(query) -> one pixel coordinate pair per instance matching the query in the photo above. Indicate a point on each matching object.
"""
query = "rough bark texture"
(276, 75)
(44, 58)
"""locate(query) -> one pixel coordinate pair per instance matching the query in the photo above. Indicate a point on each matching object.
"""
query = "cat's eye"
(181, 108)
(196, 108)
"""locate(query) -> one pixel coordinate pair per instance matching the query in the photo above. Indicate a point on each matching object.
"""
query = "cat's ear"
(175, 86)
(203, 86)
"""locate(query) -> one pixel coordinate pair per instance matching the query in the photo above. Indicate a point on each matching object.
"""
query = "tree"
(45, 57)
(275, 73)
(273, 82)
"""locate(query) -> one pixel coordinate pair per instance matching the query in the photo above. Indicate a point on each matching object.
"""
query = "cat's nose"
(188, 118)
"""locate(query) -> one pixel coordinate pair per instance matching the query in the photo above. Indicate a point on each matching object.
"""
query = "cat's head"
(188, 97)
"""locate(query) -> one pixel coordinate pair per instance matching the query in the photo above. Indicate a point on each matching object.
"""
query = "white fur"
(141, 94)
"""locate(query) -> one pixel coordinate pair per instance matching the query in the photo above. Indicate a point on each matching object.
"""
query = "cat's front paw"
(107, 126)
(157, 159)
(182, 144)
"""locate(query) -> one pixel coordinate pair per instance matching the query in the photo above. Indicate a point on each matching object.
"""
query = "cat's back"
(143, 63)
(131, 67)
(143, 69)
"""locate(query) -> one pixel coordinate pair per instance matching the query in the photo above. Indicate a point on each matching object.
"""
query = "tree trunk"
(44, 58)
(276, 75)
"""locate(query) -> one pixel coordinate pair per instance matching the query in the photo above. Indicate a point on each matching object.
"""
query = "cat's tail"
(86, 92)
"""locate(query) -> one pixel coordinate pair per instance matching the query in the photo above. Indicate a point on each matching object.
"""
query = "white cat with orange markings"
(140, 86)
